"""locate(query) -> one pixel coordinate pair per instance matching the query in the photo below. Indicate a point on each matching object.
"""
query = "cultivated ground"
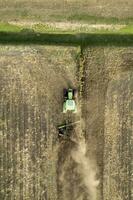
(96, 162)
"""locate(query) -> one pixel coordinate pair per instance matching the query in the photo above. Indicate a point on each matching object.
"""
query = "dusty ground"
(35, 164)
(46, 10)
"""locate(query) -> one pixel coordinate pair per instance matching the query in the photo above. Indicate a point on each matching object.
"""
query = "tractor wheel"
(75, 93)
(65, 93)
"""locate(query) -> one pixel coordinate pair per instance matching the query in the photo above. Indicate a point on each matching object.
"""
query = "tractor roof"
(70, 104)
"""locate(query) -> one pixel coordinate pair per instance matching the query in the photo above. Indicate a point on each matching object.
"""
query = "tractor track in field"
(67, 174)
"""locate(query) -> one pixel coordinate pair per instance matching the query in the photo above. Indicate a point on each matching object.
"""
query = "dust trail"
(77, 171)
(86, 169)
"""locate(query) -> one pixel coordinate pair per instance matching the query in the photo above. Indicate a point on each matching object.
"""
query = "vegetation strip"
(83, 39)
(65, 27)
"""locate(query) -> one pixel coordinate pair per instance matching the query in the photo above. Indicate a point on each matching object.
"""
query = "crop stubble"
(108, 118)
(31, 87)
(32, 80)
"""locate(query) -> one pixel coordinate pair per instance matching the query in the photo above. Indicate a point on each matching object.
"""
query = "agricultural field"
(95, 161)
(46, 47)
(31, 95)
(108, 107)
(67, 10)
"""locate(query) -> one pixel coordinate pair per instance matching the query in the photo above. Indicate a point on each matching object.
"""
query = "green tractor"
(69, 101)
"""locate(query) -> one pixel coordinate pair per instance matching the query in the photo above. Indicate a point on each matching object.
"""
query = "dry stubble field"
(35, 164)
(44, 10)
(31, 90)
(108, 113)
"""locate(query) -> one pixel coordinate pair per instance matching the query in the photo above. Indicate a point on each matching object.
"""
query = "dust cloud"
(78, 172)
(86, 169)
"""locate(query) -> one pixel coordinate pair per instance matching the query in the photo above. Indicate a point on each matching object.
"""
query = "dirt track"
(35, 164)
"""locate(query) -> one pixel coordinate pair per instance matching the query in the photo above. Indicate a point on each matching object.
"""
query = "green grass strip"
(84, 39)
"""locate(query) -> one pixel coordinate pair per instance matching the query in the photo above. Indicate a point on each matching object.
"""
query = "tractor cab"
(69, 101)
